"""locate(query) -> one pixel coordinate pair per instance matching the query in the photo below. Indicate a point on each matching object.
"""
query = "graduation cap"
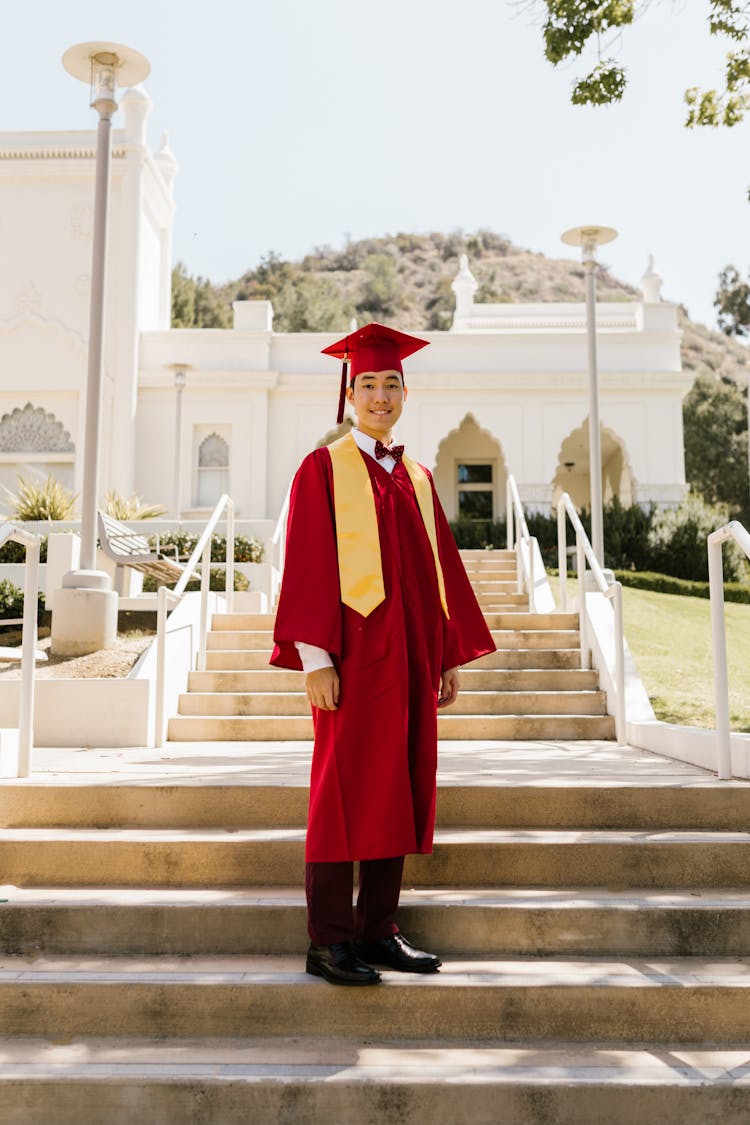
(372, 348)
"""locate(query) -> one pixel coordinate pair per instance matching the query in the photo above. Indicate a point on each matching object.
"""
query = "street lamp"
(588, 238)
(103, 66)
(180, 379)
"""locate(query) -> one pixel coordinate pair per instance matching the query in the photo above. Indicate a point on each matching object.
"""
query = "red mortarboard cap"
(372, 348)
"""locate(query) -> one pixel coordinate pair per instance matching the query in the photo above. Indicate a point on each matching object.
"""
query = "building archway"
(572, 473)
(470, 473)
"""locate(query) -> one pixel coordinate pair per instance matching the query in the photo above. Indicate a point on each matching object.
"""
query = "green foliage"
(196, 303)
(35, 500)
(677, 540)
(715, 434)
(131, 507)
(12, 552)
(671, 541)
(570, 26)
(381, 290)
(471, 535)
(246, 550)
(665, 584)
(733, 303)
(216, 582)
(11, 601)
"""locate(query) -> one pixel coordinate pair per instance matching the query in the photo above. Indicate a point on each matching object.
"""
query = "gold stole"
(360, 564)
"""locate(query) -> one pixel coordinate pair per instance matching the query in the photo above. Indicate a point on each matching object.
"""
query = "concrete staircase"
(532, 687)
(594, 920)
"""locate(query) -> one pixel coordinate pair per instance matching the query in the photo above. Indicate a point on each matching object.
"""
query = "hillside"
(405, 280)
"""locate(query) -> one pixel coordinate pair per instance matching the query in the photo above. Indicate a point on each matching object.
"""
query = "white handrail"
(732, 530)
(28, 642)
(518, 537)
(278, 548)
(612, 591)
(202, 552)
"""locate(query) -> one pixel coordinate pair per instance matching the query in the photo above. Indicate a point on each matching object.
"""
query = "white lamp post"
(180, 379)
(92, 622)
(588, 238)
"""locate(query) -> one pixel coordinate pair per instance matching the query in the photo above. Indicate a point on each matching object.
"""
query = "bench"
(127, 548)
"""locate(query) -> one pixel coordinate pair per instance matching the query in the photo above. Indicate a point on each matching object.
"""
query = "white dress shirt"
(311, 656)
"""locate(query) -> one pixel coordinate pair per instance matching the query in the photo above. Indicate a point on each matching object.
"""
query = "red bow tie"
(394, 451)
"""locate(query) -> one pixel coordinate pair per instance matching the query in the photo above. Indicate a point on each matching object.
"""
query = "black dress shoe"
(340, 964)
(397, 952)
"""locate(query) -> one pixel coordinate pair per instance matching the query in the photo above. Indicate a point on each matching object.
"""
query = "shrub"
(667, 584)
(246, 550)
(216, 582)
(677, 542)
(131, 507)
(36, 501)
(12, 552)
(11, 601)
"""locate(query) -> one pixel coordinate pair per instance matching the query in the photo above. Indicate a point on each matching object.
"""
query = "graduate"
(377, 610)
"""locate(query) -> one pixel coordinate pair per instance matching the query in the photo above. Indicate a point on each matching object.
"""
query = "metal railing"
(612, 591)
(518, 539)
(278, 550)
(28, 642)
(170, 598)
(733, 530)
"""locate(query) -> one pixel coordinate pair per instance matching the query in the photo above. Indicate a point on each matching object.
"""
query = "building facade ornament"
(28, 299)
(30, 429)
(651, 284)
(81, 220)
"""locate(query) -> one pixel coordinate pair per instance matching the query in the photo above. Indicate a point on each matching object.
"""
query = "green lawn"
(670, 638)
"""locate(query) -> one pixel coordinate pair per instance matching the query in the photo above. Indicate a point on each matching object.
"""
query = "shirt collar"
(364, 441)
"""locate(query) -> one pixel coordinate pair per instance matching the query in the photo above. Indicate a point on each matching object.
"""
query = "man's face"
(378, 398)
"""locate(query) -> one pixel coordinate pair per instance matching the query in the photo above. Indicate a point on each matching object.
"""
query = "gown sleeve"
(309, 607)
(465, 636)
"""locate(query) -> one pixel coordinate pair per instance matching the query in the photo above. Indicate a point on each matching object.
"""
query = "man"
(377, 609)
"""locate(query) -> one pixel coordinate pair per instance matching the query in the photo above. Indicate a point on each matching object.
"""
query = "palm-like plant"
(37, 500)
(131, 507)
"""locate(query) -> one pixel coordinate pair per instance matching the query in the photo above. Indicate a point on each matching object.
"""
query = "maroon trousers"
(330, 916)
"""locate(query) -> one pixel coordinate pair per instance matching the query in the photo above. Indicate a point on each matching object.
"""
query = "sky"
(302, 123)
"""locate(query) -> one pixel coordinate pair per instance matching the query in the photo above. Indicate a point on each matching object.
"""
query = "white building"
(504, 391)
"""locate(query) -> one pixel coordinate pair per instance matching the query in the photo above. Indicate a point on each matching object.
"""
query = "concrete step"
(240, 640)
(565, 803)
(472, 679)
(481, 554)
(262, 680)
(526, 658)
(517, 636)
(289, 703)
(229, 660)
(535, 638)
(459, 921)
(341, 1082)
(243, 621)
(479, 857)
(501, 603)
(685, 1000)
(542, 621)
(283, 728)
(520, 635)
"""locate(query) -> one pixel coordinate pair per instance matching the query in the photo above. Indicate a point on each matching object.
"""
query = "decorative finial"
(651, 284)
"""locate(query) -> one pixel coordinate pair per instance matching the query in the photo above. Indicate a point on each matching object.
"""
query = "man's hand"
(448, 687)
(322, 688)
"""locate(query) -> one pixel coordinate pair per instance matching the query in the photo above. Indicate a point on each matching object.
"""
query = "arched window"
(34, 444)
(213, 469)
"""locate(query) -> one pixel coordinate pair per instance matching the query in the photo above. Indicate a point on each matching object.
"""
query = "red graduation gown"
(372, 786)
